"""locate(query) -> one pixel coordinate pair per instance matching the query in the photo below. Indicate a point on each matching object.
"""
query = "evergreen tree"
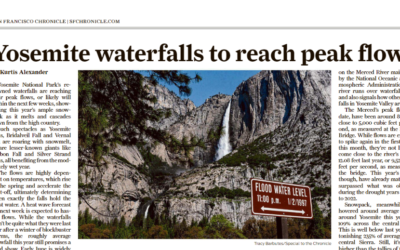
(138, 221)
(122, 223)
(157, 220)
(115, 222)
(180, 229)
(204, 222)
(174, 220)
(251, 229)
(193, 223)
(297, 228)
(221, 228)
(87, 217)
(194, 233)
(157, 232)
(316, 229)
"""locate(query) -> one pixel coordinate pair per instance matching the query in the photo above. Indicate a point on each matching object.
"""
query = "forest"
(217, 227)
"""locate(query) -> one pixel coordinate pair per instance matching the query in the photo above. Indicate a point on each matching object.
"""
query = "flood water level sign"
(280, 199)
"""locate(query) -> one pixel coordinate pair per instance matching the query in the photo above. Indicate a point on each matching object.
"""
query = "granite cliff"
(274, 98)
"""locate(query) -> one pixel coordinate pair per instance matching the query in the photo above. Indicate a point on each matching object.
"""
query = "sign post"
(282, 228)
(281, 200)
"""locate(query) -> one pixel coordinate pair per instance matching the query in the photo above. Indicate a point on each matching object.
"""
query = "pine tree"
(122, 223)
(204, 222)
(157, 220)
(87, 217)
(316, 229)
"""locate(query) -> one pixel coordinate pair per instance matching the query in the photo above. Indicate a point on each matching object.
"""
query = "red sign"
(280, 199)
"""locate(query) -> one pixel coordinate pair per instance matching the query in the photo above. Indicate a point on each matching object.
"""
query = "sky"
(214, 82)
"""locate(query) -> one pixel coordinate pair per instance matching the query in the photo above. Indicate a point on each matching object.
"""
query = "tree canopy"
(217, 227)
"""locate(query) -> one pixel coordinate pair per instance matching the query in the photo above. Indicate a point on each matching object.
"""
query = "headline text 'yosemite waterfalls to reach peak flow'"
(224, 146)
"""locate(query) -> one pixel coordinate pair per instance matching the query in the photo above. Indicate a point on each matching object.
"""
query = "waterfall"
(234, 214)
(147, 211)
(224, 147)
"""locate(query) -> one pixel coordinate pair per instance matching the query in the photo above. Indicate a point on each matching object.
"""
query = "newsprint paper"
(163, 125)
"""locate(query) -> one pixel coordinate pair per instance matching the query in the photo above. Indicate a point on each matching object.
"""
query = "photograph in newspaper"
(153, 165)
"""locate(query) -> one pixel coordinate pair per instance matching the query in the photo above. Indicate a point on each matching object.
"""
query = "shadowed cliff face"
(189, 121)
(273, 98)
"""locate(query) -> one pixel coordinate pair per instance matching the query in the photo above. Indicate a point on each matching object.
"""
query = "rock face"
(115, 189)
(285, 115)
(166, 99)
(198, 123)
(273, 98)
(130, 153)
(188, 121)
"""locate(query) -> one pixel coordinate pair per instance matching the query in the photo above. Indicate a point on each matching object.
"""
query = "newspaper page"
(115, 135)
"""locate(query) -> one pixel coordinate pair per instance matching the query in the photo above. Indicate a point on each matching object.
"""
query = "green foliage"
(316, 229)
(259, 229)
(121, 158)
(253, 155)
(219, 222)
(160, 228)
(212, 205)
(283, 172)
(185, 147)
(320, 191)
(215, 135)
(157, 232)
(194, 232)
(261, 160)
(225, 192)
(92, 232)
(204, 222)
(327, 221)
(180, 229)
(233, 160)
(211, 135)
(145, 199)
(221, 228)
(154, 166)
(218, 227)
(297, 228)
